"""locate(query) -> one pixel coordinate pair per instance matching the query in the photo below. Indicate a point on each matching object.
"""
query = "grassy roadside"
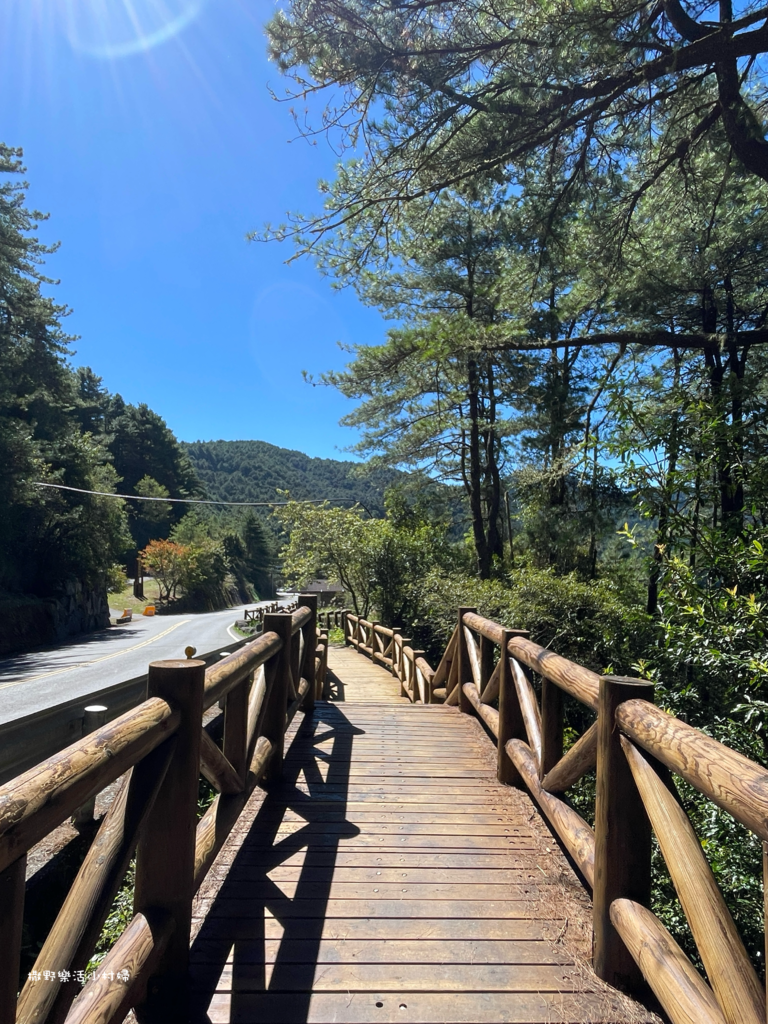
(126, 600)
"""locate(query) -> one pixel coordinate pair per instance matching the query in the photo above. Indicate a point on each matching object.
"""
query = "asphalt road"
(44, 678)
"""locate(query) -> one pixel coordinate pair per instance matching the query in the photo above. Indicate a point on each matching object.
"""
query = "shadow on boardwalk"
(390, 877)
(251, 914)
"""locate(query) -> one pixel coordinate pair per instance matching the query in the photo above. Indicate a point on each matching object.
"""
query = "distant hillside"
(255, 471)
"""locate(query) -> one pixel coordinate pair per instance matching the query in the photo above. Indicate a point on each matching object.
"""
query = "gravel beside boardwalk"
(389, 877)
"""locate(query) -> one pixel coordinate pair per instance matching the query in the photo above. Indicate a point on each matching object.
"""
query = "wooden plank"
(424, 1007)
(418, 977)
(396, 951)
(366, 815)
(284, 909)
(239, 928)
(404, 890)
(422, 859)
(393, 829)
(419, 842)
(406, 790)
(399, 873)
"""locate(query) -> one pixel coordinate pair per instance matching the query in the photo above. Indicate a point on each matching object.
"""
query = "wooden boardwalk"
(389, 877)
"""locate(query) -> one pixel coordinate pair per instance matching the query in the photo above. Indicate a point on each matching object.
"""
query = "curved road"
(41, 679)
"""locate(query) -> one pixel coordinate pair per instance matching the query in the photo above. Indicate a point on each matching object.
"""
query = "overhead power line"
(195, 501)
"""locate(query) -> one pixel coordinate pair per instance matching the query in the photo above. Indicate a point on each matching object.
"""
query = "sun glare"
(119, 28)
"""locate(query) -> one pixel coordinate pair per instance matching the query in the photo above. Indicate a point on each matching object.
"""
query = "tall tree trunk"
(492, 474)
(736, 366)
(667, 496)
(731, 491)
(593, 514)
(475, 479)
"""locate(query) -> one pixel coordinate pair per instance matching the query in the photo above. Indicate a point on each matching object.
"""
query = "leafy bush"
(587, 622)
(117, 580)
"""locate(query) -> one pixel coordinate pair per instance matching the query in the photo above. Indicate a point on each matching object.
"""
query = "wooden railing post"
(235, 743)
(486, 662)
(551, 725)
(622, 836)
(278, 672)
(511, 724)
(397, 646)
(465, 669)
(345, 627)
(11, 919)
(165, 855)
(310, 649)
(402, 667)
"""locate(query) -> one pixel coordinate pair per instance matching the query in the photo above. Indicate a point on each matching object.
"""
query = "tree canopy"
(432, 95)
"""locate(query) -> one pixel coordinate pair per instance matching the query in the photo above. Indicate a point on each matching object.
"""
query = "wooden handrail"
(579, 682)
(726, 777)
(301, 617)
(223, 677)
(108, 998)
(76, 929)
(261, 687)
(163, 748)
(614, 859)
(735, 984)
(38, 801)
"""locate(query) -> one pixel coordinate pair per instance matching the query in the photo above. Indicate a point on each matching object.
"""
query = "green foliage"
(586, 621)
(200, 570)
(150, 461)
(116, 579)
(242, 543)
(206, 579)
(568, 95)
(118, 919)
(49, 537)
(379, 562)
(256, 471)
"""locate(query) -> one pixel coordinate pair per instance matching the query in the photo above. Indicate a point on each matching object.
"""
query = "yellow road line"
(85, 664)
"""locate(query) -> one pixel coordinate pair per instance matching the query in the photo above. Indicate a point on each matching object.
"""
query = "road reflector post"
(94, 716)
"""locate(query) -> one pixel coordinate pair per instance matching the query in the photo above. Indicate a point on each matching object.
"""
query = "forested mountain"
(256, 471)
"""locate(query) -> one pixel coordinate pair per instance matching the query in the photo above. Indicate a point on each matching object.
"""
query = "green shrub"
(587, 622)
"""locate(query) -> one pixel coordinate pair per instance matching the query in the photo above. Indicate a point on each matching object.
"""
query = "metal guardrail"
(26, 741)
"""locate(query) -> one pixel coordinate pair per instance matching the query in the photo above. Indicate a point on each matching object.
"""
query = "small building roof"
(322, 587)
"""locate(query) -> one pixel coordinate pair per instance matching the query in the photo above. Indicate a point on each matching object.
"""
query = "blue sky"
(155, 146)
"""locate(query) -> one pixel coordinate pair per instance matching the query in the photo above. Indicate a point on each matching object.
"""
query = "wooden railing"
(257, 614)
(635, 748)
(391, 649)
(160, 749)
(331, 618)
